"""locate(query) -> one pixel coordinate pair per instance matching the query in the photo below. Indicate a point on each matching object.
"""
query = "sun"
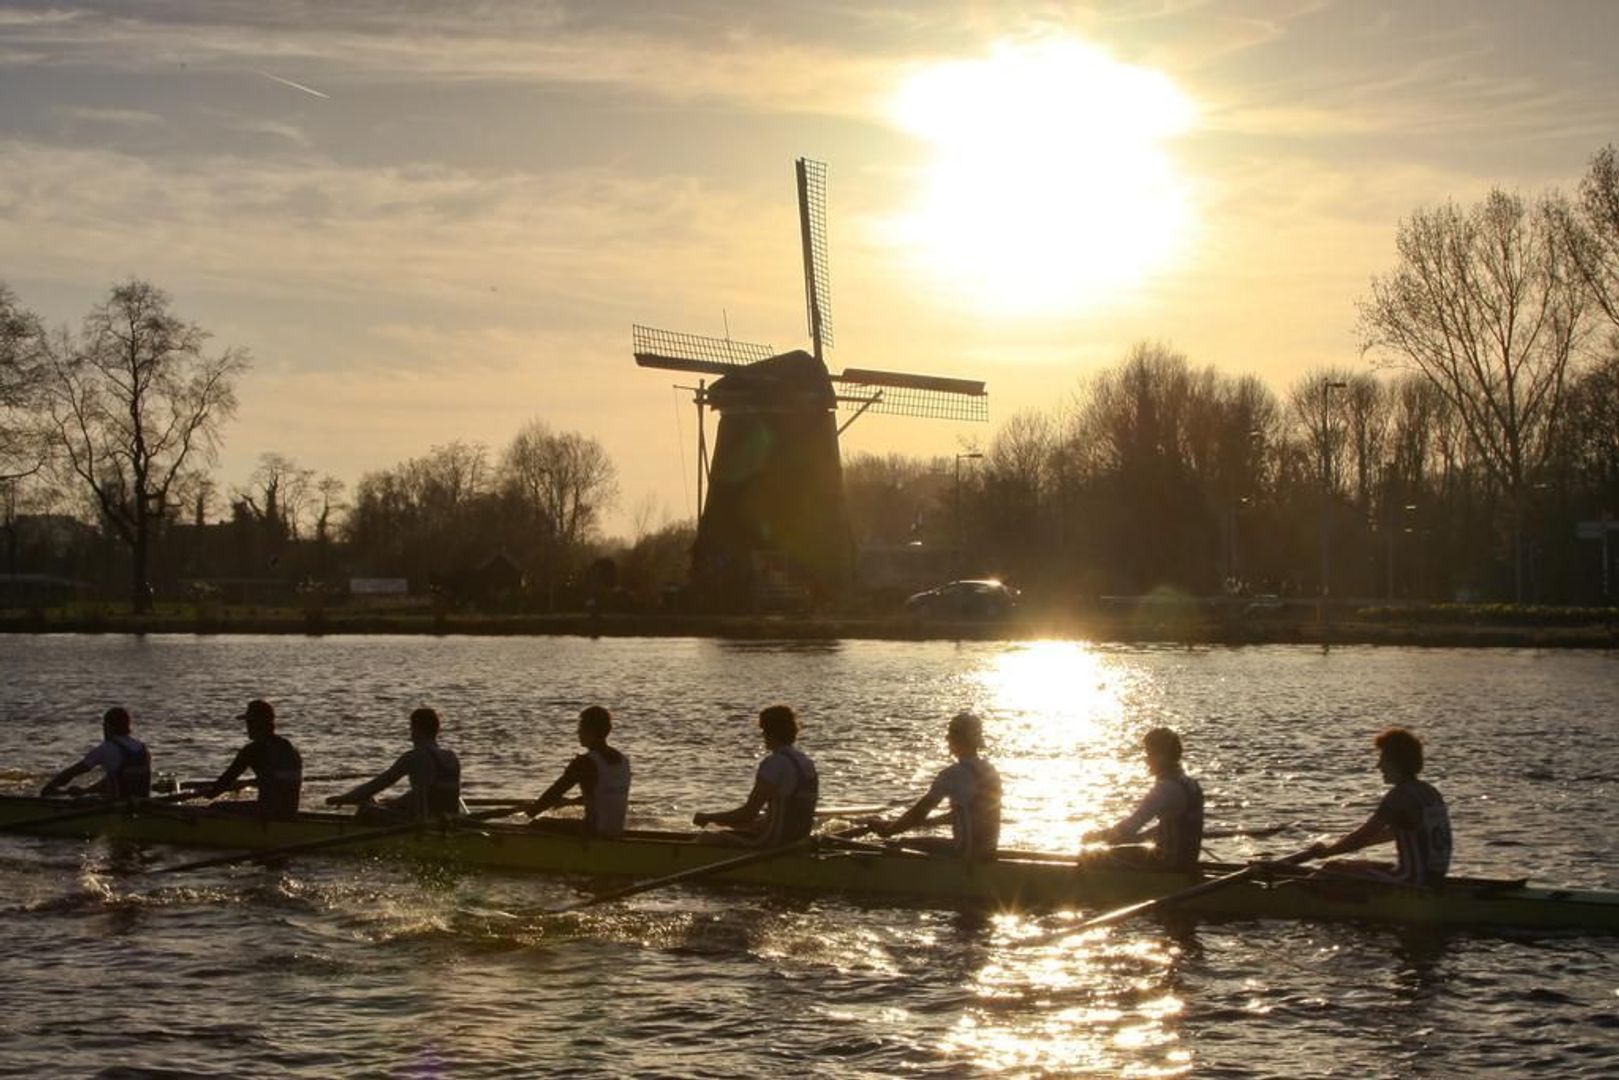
(1050, 189)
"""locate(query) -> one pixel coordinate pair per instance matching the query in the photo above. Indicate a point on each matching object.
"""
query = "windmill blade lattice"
(675, 351)
(817, 263)
(897, 394)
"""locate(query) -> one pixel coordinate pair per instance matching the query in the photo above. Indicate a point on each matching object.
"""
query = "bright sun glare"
(1050, 188)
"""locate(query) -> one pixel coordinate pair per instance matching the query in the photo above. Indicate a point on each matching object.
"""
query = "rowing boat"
(1015, 880)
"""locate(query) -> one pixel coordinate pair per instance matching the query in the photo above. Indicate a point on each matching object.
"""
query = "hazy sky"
(437, 220)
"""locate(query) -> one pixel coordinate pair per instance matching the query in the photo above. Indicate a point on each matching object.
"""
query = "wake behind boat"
(1016, 880)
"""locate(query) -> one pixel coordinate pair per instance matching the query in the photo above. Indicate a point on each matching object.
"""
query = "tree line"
(1458, 462)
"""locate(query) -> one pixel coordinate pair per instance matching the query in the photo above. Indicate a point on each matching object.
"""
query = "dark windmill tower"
(775, 527)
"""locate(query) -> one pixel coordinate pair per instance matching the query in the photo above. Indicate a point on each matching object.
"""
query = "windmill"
(775, 522)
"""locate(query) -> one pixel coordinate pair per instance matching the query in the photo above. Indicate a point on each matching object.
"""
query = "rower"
(276, 764)
(434, 772)
(974, 789)
(1412, 814)
(125, 763)
(786, 787)
(1175, 802)
(602, 775)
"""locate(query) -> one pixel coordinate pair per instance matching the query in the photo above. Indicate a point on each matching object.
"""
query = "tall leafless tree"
(566, 481)
(23, 352)
(1487, 303)
(135, 404)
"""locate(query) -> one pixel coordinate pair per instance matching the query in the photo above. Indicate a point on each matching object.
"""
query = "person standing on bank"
(277, 766)
(434, 773)
(125, 763)
(1412, 814)
(786, 787)
(602, 775)
(974, 789)
(1175, 802)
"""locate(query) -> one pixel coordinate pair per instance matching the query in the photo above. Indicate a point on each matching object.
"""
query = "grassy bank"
(1189, 624)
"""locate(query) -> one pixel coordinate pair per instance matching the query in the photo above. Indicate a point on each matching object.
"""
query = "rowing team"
(780, 808)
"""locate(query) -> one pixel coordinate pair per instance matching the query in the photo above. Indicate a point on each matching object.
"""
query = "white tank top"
(609, 803)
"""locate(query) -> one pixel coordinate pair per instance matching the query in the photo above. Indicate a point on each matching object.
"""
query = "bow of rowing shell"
(1022, 881)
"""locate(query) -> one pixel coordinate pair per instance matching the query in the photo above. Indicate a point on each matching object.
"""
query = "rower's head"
(965, 734)
(779, 724)
(1163, 748)
(1399, 754)
(424, 725)
(259, 717)
(116, 721)
(595, 724)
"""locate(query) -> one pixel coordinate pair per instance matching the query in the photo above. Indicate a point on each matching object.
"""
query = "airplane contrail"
(295, 86)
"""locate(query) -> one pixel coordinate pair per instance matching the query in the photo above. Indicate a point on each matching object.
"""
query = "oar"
(1130, 911)
(360, 837)
(836, 811)
(1251, 834)
(102, 806)
(327, 778)
(696, 872)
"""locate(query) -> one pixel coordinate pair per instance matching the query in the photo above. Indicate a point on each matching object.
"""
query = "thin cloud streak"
(294, 85)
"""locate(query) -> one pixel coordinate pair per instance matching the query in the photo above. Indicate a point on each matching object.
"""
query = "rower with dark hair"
(434, 772)
(974, 789)
(125, 763)
(786, 787)
(602, 775)
(1175, 802)
(277, 766)
(1412, 814)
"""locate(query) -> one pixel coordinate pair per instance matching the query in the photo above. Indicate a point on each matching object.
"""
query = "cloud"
(117, 117)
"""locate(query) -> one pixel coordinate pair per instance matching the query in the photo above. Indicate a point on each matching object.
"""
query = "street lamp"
(960, 541)
(1327, 386)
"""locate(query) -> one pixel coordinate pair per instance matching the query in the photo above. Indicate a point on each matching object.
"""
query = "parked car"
(976, 599)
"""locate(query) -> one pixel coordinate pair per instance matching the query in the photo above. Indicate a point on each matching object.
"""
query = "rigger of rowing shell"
(781, 806)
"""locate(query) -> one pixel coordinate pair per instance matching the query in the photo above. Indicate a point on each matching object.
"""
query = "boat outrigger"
(1020, 880)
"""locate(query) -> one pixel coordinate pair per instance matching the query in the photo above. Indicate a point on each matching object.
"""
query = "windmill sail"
(817, 265)
(693, 352)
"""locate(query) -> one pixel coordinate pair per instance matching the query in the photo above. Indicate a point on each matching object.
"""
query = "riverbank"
(1123, 624)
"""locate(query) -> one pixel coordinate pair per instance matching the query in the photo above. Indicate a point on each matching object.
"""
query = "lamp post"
(1327, 386)
(960, 539)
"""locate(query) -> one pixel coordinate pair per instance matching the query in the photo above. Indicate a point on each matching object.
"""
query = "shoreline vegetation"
(1139, 621)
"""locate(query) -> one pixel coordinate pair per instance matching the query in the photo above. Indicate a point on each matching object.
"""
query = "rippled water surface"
(329, 966)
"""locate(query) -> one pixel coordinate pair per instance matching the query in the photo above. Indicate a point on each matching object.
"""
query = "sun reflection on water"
(1060, 712)
(1106, 1005)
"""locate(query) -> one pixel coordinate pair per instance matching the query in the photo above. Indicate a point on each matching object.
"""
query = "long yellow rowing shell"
(1027, 881)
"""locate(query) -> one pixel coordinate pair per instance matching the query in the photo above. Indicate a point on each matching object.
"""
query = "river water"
(330, 966)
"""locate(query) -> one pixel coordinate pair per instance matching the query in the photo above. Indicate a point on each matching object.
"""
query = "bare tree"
(280, 495)
(23, 351)
(134, 406)
(330, 490)
(1486, 302)
(567, 480)
(1593, 234)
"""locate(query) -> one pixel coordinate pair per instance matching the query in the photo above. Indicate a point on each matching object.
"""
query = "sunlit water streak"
(333, 966)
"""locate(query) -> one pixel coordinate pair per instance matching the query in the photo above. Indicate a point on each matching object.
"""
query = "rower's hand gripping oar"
(696, 872)
(1145, 907)
(359, 836)
(102, 806)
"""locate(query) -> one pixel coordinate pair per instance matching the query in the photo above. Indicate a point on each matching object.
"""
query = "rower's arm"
(744, 814)
(395, 773)
(1150, 807)
(1373, 832)
(915, 816)
(232, 773)
(552, 797)
(61, 779)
